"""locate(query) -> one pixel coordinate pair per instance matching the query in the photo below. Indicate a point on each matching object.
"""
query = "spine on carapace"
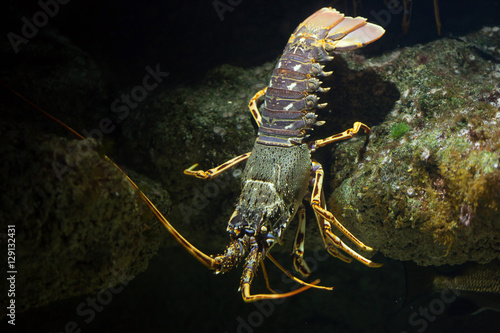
(290, 101)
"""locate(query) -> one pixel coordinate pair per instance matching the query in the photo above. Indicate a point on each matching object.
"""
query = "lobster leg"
(298, 246)
(209, 174)
(348, 134)
(247, 297)
(330, 248)
(290, 276)
(436, 16)
(406, 16)
(319, 206)
(254, 258)
(254, 109)
(266, 278)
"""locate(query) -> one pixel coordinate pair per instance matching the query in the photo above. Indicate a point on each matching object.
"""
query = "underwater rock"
(426, 187)
(80, 226)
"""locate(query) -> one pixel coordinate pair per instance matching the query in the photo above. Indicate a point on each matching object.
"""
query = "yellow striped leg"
(255, 257)
(254, 109)
(212, 173)
(266, 278)
(330, 247)
(248, 297)
(288, 274)
(348, 134)
(327, 219)
(298, 246)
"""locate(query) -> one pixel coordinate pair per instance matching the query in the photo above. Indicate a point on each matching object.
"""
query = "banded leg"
(248, 297)
(330, 247)
(254, 109)
(319, 206)
(348, 134)
(288, 274)
(266, 278)
(212, 173)
(298, 246)
(254, 257)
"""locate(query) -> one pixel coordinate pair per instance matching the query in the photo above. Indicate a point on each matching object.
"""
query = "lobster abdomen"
(290, 101)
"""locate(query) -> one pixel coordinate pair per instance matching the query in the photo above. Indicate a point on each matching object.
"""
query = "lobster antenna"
(200, 256)
(46, 114)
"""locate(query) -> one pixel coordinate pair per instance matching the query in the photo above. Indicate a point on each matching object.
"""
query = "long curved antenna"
(200, 256)
(46, 114)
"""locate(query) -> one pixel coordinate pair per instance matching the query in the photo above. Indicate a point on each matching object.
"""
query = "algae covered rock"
(426, 187)
(79, 225)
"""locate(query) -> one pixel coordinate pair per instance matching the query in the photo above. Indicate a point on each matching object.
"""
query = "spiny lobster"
(279, 169)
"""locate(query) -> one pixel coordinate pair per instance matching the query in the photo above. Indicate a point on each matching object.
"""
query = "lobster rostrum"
(279, 170)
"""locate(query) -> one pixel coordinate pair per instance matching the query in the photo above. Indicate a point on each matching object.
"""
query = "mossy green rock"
(431, 195)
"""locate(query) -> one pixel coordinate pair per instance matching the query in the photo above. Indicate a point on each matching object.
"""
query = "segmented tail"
(290, 101)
